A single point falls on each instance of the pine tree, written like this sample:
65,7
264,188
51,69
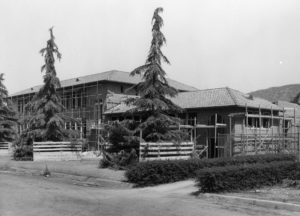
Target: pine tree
154,102
8,119
46,121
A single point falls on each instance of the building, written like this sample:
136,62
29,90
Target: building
224,121
221,121
85,98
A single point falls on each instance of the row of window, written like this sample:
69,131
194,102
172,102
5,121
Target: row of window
256,123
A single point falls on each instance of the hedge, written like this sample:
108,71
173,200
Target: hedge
165,171
243,177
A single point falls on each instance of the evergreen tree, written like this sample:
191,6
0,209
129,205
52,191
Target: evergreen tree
46,120
7,115
154,102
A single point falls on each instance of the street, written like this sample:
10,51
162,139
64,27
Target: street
37,195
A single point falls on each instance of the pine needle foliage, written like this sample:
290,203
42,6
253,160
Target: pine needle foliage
46,120
8,119
154,102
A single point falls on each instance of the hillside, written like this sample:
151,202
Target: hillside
284,93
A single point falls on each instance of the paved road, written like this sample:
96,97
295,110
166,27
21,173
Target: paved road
38,196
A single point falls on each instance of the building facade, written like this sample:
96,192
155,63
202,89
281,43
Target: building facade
221,121
84,98
226,122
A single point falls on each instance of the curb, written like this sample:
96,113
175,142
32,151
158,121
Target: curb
257,202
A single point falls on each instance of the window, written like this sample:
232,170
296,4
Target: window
220,119
68,97
78,100
254,122
266,123
122,89
191,118
68,125
20,107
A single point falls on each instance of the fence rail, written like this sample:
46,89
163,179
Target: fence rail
56,151
243,144
5,149
165,151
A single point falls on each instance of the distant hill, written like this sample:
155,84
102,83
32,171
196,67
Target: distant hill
284,93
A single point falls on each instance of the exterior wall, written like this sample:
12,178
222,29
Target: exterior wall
86,103
205,137
239,127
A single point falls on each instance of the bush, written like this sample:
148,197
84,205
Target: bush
159,172
23,149
243,177
119,160
123,137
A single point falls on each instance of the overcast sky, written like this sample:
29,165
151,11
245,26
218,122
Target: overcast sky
244,44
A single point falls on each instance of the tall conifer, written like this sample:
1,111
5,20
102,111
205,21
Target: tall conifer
7,115
46,121
154,102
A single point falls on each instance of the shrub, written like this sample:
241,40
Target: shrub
243,177
159,172
123,137
119,160
23,149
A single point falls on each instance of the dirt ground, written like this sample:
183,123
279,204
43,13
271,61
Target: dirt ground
87,168
36,195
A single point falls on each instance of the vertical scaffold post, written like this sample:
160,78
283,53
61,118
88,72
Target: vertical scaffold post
260,125
230,138
283,128
215,140
195,132
246,128
272,123
97,113
294,127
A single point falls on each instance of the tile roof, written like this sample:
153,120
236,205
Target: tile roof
218,97
290,108
113,76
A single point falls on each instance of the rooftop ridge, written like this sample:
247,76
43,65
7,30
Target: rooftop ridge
112,75
229,90
209,89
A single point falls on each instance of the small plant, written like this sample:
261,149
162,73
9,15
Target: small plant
46,172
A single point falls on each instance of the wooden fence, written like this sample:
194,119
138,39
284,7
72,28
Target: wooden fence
165,151
244,144
56,151
5,149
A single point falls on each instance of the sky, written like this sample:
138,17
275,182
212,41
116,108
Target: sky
243,44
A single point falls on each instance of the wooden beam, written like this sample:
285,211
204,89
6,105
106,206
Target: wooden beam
230,138
215,140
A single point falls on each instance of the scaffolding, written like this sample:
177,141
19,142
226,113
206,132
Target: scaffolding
84,103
